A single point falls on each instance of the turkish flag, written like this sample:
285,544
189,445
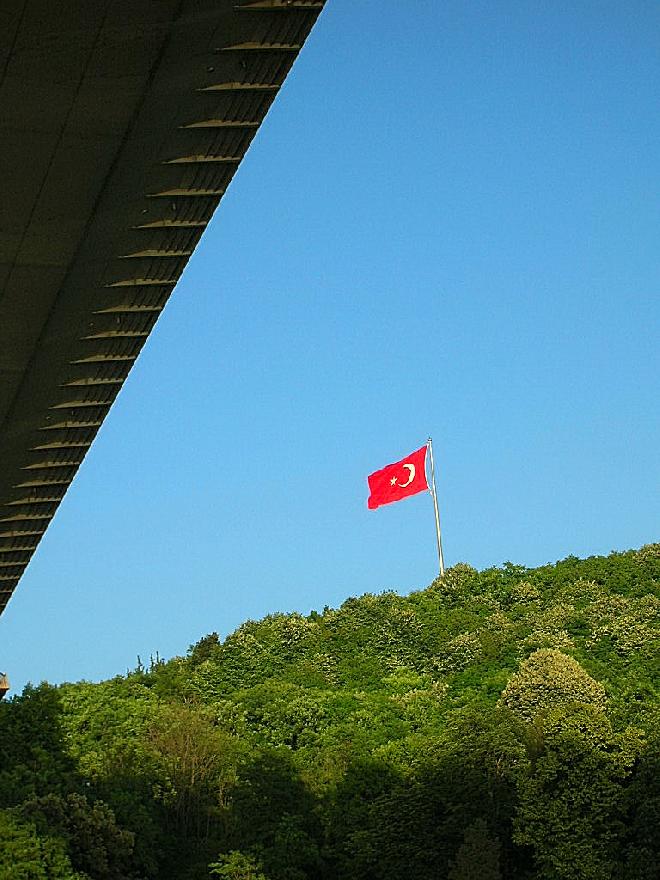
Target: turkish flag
399,480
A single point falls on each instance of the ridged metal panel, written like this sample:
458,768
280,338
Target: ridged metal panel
121,127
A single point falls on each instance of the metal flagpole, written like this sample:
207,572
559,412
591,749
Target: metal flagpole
434,493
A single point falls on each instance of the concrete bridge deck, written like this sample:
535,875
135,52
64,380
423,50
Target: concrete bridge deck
122,123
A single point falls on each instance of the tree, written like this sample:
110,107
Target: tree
642,857
548,678
572,802
198,762
24,855
478,857
274,813
237,866
95,844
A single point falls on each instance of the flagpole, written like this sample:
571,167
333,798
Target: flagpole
434,493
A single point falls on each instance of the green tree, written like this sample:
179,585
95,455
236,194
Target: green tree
394,737
478,857
24,855
572,802
548,678
642,850
197,761
95,844
35,759
237,866
274,812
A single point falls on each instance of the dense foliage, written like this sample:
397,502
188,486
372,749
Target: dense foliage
499,724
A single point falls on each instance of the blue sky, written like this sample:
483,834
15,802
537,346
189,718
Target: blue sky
447,225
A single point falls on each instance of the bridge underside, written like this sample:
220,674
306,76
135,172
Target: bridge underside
122,123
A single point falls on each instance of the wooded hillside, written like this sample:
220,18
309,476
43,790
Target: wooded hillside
498,724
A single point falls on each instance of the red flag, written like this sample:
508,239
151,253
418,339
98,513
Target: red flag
399,480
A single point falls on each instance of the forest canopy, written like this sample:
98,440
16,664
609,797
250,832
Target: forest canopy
499,725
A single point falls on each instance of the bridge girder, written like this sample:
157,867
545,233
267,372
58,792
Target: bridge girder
122,123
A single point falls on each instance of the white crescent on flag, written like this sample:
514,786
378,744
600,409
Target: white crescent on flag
411,475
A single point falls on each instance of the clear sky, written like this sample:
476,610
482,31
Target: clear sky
448,225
